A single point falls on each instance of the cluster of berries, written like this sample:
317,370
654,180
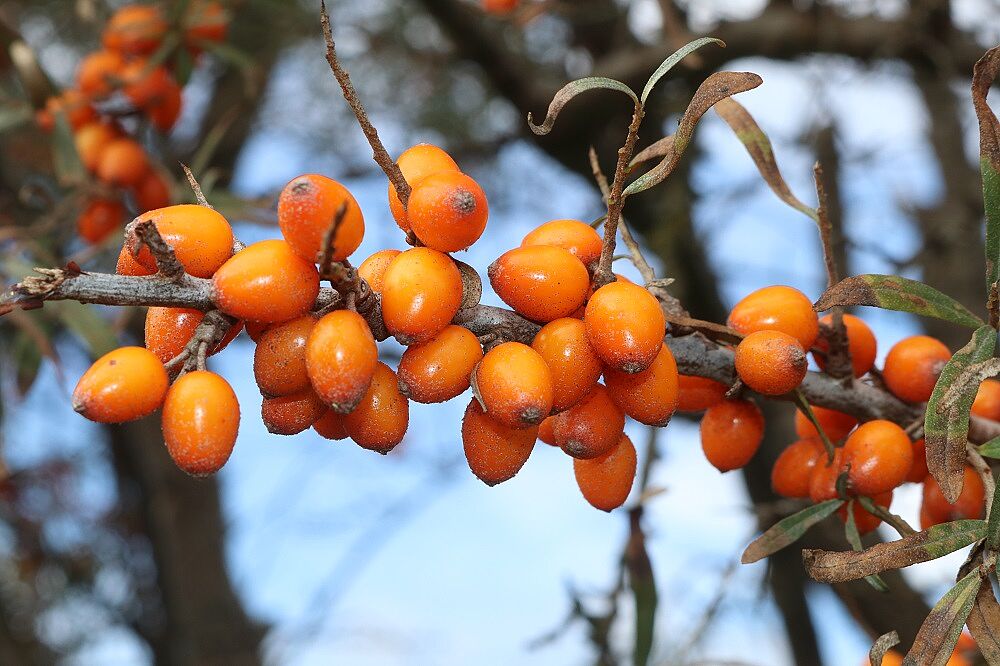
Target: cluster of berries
131,75
500,6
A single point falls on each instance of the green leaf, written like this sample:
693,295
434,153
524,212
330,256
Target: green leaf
882,644
891,292
675,58
571,90
804,407
939,633
14,115
789,530
946,423
990,449
86,324
993,527
854,538
66,161
983,76
643,585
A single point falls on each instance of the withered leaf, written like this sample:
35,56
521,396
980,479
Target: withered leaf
939,633
788,530
571,90
891,292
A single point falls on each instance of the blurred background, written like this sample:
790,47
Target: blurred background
304,551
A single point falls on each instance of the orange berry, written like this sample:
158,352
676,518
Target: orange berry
793,469
266,282
379,421
417,163
574,366
836,425
100,219
864,521
590,428
279,362
500,6
72,104
341,358
308,206
495,453
439,369
918,471
913,366
99,73
777,308
515,385
607,480
123,385
970,504
91,140
823,480
447,211
165,111
861,344
771,362
649,396
695,394
123,163
331,426
421,293
731,433
127,264
168,330
540,282
255,329
201,418
205,22
987,403
579,238
545,431
891,658
880,456
146,85
135,30
291,414
152,192
372,269
625,326
201,238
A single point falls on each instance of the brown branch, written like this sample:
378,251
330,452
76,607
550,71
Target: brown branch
147,234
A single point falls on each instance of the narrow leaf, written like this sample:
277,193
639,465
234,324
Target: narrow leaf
788,530
946,427
803,406
993,524
891,292
837,567
990,449
983,75
882,644
984,623
939,633
675,58
66,161
88,326
571,90
854,538
653,151
643,585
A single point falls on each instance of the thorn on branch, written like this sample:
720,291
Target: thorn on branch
199,196
147,234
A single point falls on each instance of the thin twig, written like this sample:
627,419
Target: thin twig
329,237
199,196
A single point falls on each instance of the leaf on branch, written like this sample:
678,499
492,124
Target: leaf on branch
984,623
715,88
882,644
788,530
571,90
854,538
837,567
803,406
891,292
66,160
675,58
990,449
653,151
983,75
939,633
643,586
946,426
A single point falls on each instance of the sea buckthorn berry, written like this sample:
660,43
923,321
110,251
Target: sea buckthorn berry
575,368
515,385
279,362
168,330
731,433
540,282
913,366
135,30
331,426
146,85
255,329
793,469
291,414
72,104
823,481
625,326
864,521
607,480
861,344
100,219
500,6
970,504
202,240
777,308
201,418
421,293
308,206
266,282
127,264
590,428
372,269
205,22
987,403
165,111
918,471
379,421
771,362
151,192
649,396
836,425
123,163
439,369
880,456
99,73
695,394
495,453
447,211
123,385
579,238
91,140
341,358
545,431
417,163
